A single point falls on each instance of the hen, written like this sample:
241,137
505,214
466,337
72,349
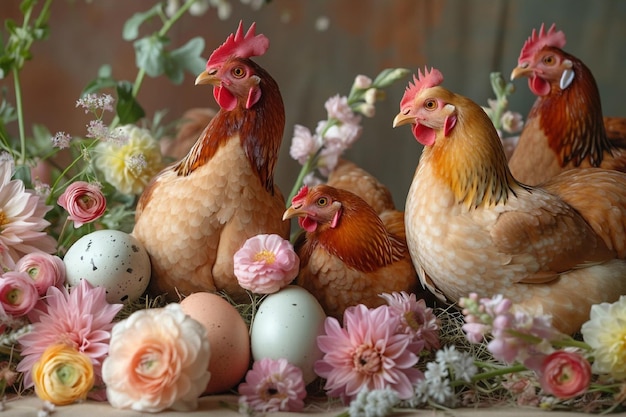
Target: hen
349,254
565,128
472,227
198,212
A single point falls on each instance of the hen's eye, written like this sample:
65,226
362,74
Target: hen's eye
430,104
238,72
549,60
322,201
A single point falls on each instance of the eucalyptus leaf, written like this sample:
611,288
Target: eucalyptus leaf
128,109
131,27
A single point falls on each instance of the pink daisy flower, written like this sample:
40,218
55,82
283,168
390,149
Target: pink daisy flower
81,318
415,318
368,353
273,385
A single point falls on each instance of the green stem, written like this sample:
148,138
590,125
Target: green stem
20,115
496,372
141,74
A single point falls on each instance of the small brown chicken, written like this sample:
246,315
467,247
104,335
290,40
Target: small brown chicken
472,227
565,128
348,253
198,212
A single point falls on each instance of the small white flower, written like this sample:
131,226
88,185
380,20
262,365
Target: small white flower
375,403
435,370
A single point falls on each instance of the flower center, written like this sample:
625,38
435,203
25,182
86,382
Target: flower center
67,375
86,202
148,363
14,296
366,359
3,218
411,320
266,256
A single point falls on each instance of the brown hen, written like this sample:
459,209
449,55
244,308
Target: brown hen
565,128
472,227
198,212
349,254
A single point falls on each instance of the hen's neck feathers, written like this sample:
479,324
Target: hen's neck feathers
360,239
571,119
260,130
471,159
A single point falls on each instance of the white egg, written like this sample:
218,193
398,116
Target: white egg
286,325
111,259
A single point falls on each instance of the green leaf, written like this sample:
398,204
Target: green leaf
102,81
131,27
127,108
187,57
149,55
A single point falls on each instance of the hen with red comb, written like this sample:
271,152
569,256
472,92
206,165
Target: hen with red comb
199,211
565,128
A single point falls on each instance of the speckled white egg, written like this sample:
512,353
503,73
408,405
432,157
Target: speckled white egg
111,259
286,325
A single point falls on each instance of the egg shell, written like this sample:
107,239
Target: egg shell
286,325
111,259
228,336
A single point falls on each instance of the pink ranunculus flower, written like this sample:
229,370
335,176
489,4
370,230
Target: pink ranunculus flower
158,359
18,295
273,385
83,201
367,353
44,269
266,263
565,374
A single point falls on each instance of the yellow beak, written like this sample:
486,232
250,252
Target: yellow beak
207,78
403,119
292,212
521,71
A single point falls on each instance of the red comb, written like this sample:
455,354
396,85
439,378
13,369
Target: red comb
537,41
304,190
429,79
239,45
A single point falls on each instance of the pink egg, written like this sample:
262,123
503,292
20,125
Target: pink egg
228,335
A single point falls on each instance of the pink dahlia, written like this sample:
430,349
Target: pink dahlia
415,318
367,353
273,385
22,222
81,318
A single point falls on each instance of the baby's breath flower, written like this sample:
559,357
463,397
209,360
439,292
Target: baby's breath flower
93,102
61,140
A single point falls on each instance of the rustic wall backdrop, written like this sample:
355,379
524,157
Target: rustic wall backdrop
465,39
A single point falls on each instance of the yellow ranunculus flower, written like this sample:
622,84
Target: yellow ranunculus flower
63,375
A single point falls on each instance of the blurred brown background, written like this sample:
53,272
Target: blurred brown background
465,39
